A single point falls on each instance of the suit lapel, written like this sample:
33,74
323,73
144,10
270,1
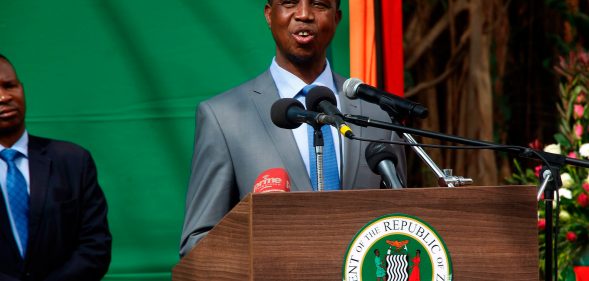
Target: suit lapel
39,166
264,94
352,148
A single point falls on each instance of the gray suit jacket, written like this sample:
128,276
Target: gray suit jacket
236,140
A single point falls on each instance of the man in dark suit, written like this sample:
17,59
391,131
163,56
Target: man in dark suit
236,140
53,223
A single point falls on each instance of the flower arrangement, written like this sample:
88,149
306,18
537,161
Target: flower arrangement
572,140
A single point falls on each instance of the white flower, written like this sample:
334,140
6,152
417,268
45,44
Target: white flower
562,192
552,148
567,180
584,150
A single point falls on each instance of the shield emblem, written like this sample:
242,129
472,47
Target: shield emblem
397,267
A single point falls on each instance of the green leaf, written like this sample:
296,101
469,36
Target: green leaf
562,140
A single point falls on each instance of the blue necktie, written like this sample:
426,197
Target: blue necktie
330,170
18,197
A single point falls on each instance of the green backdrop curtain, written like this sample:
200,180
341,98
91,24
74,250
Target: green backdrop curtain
123,78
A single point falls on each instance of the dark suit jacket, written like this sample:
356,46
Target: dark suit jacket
69,237
236,141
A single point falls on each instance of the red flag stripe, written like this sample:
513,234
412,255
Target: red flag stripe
392,28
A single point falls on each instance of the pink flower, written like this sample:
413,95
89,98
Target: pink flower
583,200
541,224
581,98
571,236
572,154
578,128
537,170
586,186
579,110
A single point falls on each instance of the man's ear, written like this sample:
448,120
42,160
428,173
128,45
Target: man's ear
338,16
267,13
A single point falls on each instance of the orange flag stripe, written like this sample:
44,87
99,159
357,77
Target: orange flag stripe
362,41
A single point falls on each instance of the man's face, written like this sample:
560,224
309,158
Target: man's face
12,100
302,29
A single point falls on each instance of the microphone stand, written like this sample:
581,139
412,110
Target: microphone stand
549,184
445,178
318,144
552,163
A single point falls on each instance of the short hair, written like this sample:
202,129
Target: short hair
3,57
337,2
6,59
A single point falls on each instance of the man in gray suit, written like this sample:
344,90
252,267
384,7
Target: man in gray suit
236,140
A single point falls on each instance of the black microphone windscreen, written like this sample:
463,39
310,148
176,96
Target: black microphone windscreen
279,113
376,152
318,94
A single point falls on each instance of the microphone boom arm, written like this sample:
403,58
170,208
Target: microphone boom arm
548,158
557,159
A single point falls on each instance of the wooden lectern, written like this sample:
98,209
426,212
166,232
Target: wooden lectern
490,233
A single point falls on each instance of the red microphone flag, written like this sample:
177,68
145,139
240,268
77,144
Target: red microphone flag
272,180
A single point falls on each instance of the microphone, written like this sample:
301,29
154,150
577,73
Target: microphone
289,113
382,160
354,88
322,99
272,180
